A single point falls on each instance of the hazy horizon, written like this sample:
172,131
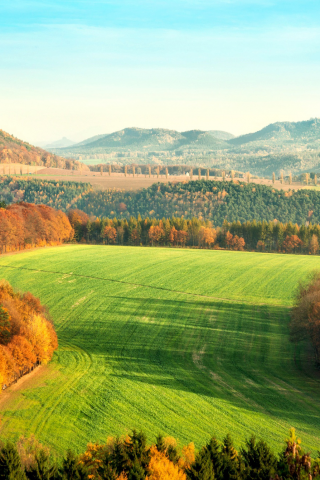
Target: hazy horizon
76,69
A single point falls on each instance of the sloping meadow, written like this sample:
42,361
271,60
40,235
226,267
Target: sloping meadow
187,343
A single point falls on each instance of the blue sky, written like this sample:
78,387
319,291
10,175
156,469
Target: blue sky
78,68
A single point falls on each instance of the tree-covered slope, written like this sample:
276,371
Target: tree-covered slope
13,150
283,132
146,139
209,200
60,195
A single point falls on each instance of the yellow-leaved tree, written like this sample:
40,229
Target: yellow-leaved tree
161,468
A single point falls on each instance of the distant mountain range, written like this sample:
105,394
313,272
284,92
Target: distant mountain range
62,143
289,146
143,139
285,132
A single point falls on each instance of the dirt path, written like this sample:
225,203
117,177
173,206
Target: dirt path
27,381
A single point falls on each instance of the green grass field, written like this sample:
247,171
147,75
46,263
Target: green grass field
183,342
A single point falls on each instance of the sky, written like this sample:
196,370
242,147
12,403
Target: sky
81,68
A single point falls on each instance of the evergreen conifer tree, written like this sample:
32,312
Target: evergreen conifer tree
71,470
10,463
258,459
202,468
42,469
137,472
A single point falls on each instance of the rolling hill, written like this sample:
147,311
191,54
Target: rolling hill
13,150
62,143
288,146
210,200
187,343
146,139
221,135
283,132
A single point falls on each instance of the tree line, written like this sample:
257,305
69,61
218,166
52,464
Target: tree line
155,170
27,336
131,458
210,200
305,316
25,225
180,232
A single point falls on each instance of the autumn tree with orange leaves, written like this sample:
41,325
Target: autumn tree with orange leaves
291,243
305,316
207,236
110,234
27,337
24,225
155,233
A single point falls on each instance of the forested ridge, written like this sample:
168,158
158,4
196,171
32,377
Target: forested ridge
210,200
27,337
13,150
205,199
61,195
131,458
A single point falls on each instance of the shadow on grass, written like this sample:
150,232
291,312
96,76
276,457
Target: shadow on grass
237,353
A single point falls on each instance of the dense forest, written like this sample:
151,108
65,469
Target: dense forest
25,225
61,195
131,458
27,337
210,200
205,199
178,231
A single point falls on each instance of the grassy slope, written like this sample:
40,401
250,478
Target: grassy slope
184,364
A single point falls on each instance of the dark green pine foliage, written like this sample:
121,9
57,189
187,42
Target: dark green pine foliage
202,468
259,461
161,447
43,469
213,448
172,454
119,458
10,463
231,463
137,472
106,472
5,326
70,469
131,457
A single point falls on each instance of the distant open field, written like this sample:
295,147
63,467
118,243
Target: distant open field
118,180
184,342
